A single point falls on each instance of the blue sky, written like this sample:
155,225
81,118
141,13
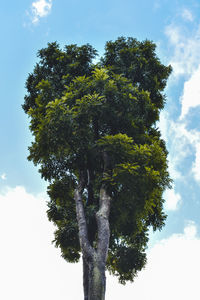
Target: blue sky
31,268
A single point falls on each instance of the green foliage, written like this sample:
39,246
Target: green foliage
62,212
138,62
78,112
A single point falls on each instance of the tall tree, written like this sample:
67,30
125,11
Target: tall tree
96,142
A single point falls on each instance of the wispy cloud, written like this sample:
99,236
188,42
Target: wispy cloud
196,164
186,49
187,15
40,9
172,199
166,129
156,5
191,93
174,135
3,176
181,143
190,230
184,143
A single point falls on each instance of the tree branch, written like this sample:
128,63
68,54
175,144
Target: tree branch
82,225
102,217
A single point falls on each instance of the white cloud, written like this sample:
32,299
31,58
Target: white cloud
171,272
172,199
34,269
177,144
30,264
3,176
186,49
166,129
191,93
187,15
190,230
40,9
196,164
185,143
181,143
185,60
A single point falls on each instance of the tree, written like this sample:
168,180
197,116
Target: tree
96,142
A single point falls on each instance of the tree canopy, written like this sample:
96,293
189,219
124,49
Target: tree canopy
96,123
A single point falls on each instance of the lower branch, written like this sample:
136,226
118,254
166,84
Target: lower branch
102,217
82,225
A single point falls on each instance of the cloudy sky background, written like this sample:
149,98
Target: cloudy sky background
31,268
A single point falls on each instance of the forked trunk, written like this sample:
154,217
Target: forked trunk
94,259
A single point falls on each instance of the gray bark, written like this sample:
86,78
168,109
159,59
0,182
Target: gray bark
94,260
97,279
86,248
85,278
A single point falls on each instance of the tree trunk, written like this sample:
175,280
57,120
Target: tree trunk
94,262
85,278
97,280
94,259
94,280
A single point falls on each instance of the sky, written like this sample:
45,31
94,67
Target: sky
31,267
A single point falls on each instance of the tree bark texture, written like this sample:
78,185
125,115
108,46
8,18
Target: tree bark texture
85,278
97,279
94,260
